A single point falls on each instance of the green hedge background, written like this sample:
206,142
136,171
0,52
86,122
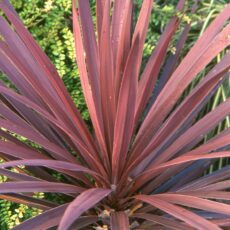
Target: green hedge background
50,23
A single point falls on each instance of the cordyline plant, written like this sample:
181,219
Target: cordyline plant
138,169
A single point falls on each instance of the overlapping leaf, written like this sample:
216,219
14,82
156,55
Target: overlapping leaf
162,158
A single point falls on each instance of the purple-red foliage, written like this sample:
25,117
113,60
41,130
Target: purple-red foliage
133,171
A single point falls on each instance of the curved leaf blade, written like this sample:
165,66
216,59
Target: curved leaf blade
38,186
188,217
82,203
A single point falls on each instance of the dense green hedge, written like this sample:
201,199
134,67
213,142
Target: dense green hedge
50,23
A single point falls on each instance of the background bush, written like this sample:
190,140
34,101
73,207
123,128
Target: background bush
50,23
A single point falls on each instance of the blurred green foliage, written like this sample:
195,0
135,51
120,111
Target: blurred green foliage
50,23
